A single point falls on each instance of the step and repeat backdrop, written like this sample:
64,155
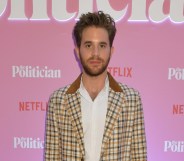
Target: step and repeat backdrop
37,57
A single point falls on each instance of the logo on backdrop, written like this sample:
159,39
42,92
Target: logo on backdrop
32,106
176,74
27,143
120,71
35,72
138,10
174,146
178,109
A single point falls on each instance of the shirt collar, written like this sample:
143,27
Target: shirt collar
76,85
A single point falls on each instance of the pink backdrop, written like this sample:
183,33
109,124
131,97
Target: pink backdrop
37,57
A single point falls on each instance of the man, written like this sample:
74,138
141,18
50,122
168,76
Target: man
95,118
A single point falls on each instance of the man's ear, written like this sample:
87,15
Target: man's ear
112,50
77,52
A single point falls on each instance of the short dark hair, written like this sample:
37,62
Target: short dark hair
97,19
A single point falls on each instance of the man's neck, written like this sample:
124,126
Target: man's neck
94,84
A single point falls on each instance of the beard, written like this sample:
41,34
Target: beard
90,70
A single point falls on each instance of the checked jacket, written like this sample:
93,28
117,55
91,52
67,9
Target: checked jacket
124,135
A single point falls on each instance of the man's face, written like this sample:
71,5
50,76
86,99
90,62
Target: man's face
95,51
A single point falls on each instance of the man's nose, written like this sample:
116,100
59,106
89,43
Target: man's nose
95,51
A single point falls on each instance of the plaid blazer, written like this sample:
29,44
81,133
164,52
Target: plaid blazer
124,134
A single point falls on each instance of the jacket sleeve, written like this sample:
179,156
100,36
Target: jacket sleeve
52,137
138,146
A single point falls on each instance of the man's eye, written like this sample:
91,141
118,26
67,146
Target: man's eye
102,46
88,45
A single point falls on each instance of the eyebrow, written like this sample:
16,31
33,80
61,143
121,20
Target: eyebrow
102,42
87,42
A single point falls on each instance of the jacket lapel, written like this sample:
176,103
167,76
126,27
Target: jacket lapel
115,102
74,111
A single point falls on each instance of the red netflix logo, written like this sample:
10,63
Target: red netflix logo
121,72
178,109
32,106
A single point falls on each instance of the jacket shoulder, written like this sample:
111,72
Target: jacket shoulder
129,92
58,95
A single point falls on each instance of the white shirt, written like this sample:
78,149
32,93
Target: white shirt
93,120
